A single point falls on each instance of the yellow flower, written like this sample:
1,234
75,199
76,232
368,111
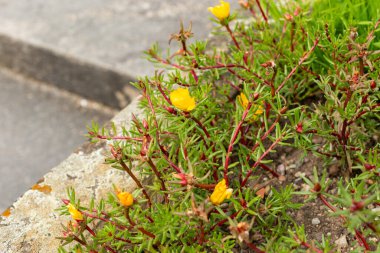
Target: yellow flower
243,100
75,214
221,11
181,99
220,193
125,198
257,109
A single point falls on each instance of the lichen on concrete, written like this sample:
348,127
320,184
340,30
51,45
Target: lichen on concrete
33,224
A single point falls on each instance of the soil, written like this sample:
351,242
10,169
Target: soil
317,219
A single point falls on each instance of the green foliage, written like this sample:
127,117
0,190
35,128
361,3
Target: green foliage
306,78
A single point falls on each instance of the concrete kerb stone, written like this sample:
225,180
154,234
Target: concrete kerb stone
33,223
90,81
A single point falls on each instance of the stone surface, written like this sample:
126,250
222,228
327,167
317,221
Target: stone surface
39,127
75,44
315,221
33,222
341,242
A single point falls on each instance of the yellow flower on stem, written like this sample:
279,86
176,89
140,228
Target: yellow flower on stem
125,198
257,109
220,193
221,11
75,214
182,100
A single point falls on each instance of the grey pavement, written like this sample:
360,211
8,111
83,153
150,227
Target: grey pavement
111,33
39,127
61,41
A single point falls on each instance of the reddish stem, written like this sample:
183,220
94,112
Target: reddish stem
104,219
220,223
187,115
204,186
232,36
262,11
110,249
158,175
253,247
233,139
133,224
104,137
259,160
90,231
362,113
163,94
137,181
266,134
305,244
79,240
304,58
359,236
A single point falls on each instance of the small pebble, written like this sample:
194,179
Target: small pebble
281,169
315,221
334,170
341,242
306,188
83,103
299,174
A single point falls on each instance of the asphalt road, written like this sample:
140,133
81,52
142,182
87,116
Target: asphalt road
39,127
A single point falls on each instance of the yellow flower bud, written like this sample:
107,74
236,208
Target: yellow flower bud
75,214
125,198
257,109
182,100
221,11
220,193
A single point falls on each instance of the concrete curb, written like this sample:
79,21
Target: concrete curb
33,224
63,71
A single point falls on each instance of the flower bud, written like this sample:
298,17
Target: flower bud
145,124
317,187
75,214
125,199
373,84
299,128
368,166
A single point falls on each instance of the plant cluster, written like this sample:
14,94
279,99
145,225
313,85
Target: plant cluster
295,75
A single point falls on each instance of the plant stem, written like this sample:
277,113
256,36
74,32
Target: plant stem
137,181
205,186
359,236
232,36
110,249
303,58
262,11
233,139
259,160
104,137
158,175
90,231
305,244
188,115
104,219
79,240
253,247
133,224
